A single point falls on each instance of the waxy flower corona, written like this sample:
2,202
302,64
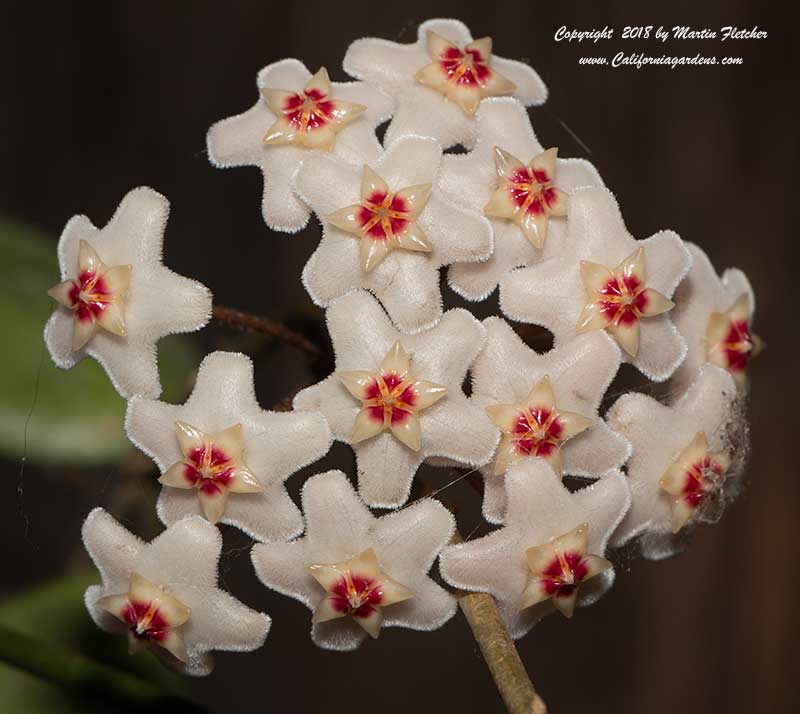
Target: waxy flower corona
384,220
558,569
618,299
463,76
535,427
96,296
154,616
694,478
730,343
213,465
391,398
526,195
359,589
311,117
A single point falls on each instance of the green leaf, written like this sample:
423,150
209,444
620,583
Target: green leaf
48,414
54,612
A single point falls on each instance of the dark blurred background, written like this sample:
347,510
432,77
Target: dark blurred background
101,97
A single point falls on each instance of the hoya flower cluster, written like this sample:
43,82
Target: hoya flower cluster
510,212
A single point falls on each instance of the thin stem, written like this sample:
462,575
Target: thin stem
264,325
499,652
90,679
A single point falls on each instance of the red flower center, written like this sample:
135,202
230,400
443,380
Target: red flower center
383,215
532,190
623,299
145,621
89,295
564,574
537,432
390,399
738,346
468,67
208,468
701,478
356,595
306,111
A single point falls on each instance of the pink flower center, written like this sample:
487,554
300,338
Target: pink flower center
145,621
390,399
702,477
355,595
306,111
89,295
537,432
383,215
532,190
623,299
738,346
564,574
468,67
208,468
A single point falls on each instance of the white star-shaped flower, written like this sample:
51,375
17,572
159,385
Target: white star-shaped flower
438,81
117,298
606,280
356,572
295,116
164,593
540,512
365,245
663,500
453,427
715,314
528,235
223,456
546,406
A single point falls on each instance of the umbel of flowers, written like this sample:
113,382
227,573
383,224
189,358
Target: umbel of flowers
510,212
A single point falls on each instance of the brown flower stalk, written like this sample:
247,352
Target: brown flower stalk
499,652
264,325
